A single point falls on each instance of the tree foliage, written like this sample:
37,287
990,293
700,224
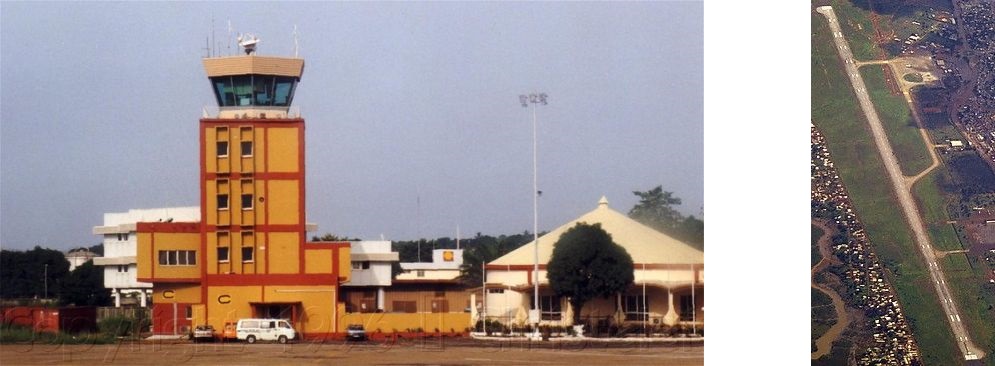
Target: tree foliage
84,286
587,263
656,210
22,274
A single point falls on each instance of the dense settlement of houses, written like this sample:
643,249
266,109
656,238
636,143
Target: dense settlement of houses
863,284
243,252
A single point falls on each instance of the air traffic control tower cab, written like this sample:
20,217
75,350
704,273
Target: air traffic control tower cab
252,86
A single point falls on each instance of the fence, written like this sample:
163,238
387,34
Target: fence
128,312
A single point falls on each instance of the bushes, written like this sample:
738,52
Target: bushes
121,326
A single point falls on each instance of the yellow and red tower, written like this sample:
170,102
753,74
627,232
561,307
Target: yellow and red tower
248,256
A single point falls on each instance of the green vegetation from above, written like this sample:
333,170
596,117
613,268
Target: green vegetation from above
914,77
903,133
823,313
836,113
817,233
963,275
932,204
858,30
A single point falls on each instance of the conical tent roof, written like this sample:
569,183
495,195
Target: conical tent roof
644,244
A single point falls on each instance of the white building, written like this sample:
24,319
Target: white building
444,266
668,288
120,246
371,267
77,257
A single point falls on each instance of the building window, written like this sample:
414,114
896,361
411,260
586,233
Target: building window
222,149
246,148
222,254
361,265
189,312
247,201
550,307
247,254
222,201
122,237
177,258
495,290
634,307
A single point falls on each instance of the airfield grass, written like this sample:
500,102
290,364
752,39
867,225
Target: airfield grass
903,133
817,233
836,113
932,204
972,300
858,29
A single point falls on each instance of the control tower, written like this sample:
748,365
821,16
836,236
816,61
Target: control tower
248,257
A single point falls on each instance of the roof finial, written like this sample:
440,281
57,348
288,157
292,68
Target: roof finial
603,202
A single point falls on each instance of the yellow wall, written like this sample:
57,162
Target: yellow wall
391,322
283,202
237,308
317,302
285,255
171,241
318,260
180,292
143,253
282,149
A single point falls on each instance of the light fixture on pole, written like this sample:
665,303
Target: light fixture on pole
534,99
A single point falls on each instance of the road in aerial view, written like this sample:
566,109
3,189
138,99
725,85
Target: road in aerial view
903,191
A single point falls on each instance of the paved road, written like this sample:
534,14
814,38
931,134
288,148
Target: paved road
453,352
967,347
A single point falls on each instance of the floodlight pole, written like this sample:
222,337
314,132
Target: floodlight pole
534,99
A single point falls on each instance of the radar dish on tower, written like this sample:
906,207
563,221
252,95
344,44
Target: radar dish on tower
248,42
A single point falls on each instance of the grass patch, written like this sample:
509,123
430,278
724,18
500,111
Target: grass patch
858,30
13,334
835,112
817,233
913,77
965,281
903,133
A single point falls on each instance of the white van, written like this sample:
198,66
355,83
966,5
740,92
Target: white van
252,330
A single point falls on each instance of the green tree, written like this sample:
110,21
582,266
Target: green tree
84,286
656,210
22,274
587,263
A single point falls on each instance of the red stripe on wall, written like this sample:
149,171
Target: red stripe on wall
272,279
301,199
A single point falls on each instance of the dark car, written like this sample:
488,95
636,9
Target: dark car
355,332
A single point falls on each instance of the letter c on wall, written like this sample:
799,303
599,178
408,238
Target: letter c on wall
168,294
224,299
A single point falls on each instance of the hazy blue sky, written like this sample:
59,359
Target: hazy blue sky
412,113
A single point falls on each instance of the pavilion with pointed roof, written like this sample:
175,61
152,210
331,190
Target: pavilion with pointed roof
668,287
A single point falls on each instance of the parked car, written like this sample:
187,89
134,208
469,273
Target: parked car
203,333
355,332
252,330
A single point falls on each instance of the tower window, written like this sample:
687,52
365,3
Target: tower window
246,148
247,254
222,201
247,201
222,149
222,254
